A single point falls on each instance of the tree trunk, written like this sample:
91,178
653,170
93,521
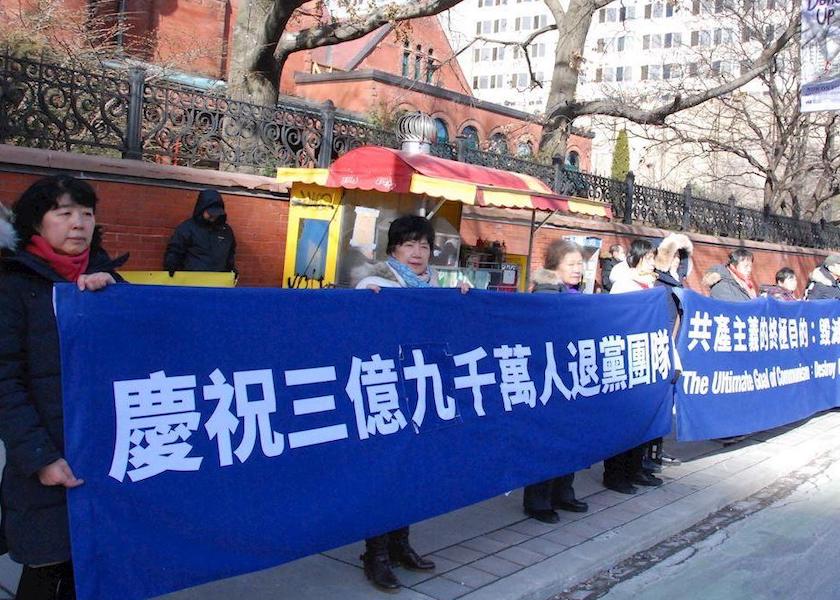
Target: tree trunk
254,72
572,27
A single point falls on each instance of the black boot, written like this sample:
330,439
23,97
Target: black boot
401,552
377,566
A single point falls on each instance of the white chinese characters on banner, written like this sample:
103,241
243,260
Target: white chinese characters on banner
157,418
759,334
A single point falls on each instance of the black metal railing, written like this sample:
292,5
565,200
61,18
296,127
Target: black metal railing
124,113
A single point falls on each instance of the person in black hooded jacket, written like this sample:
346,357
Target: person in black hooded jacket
204,242
56,241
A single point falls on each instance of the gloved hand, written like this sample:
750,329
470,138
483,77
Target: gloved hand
172,273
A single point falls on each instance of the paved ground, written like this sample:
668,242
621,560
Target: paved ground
490,550
785,550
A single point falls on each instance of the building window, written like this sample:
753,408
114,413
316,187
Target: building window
442,131
619,73
599,75
573,160
619,45
644,74
666,71
647,11
602,15
692,69
418,61
498,143
406,55
430,66
669,10
601,46
657,10
524,149
470,135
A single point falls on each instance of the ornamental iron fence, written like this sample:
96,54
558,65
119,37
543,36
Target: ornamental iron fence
126,113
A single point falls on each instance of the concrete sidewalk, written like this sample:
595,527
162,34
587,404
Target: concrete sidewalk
491,551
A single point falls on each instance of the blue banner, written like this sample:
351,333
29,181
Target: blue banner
751,366
224,431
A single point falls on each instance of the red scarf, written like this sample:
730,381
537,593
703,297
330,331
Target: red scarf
745,282
69,267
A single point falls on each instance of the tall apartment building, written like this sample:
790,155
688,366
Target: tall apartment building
644,51
496,72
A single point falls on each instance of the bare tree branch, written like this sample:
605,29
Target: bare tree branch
656,116
350,29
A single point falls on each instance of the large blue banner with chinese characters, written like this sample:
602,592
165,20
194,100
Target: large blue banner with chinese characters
751,366
225,431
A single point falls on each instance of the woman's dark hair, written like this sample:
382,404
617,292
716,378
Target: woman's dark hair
784,274
42,196
638,250
738,255
556,251
409,228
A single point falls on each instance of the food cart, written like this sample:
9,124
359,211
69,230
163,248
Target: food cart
339,216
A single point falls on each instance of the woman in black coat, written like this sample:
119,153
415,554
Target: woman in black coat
55,227
562,272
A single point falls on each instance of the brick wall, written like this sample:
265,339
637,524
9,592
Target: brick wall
140,218
708,251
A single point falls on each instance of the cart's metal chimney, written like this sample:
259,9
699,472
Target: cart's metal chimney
416,132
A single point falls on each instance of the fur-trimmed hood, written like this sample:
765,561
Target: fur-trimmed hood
668,249
372,269
8,236
821,275
545,277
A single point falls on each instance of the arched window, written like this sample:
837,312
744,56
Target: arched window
573,160
430,66
418,61
471,135
498,143
405,58
442,131
524,149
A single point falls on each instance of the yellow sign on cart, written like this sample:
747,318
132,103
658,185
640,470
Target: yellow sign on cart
185,278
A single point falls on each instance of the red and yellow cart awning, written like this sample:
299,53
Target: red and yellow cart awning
389,170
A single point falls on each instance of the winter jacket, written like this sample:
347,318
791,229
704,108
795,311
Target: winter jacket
382,275
724,285
31,414
607,265
777,292
546,281
669,248
667,280
198,244
823,285
630,280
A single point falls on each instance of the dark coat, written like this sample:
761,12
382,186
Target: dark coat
31,413
666,280
777,292
198,244
724,286
823,285
607,265
550,493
